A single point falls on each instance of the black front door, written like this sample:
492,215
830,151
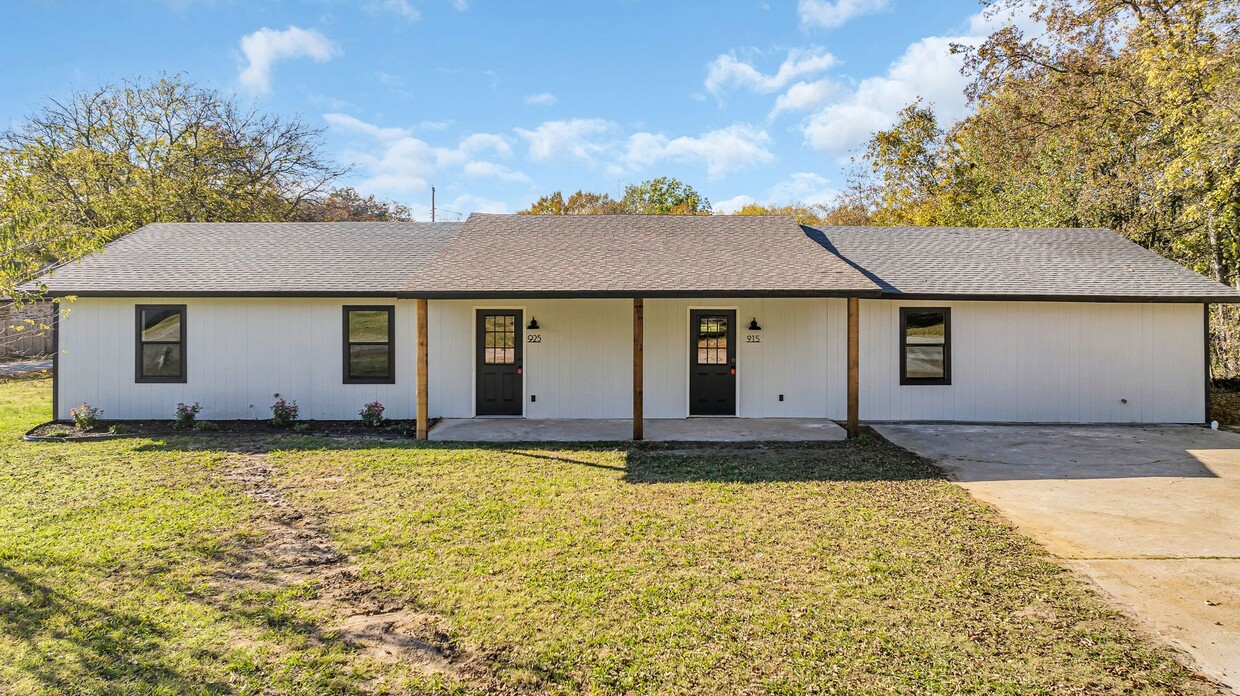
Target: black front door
499,362
712,362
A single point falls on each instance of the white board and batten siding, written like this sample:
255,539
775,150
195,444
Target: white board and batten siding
239,351
1052,362
1043,362
582,364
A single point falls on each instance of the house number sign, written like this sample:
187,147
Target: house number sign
753,338
533,338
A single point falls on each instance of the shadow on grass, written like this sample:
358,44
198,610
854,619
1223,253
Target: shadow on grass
869,458
75,640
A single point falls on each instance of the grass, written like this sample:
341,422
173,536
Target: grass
849,567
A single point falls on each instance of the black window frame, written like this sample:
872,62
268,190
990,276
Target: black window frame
141,378
391,344
946,379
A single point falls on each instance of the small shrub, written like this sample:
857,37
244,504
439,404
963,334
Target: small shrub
117,429
206,427
57,433
283,413
301,428
85,417
372,414
186,415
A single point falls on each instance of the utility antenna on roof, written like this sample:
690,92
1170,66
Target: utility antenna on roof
432,203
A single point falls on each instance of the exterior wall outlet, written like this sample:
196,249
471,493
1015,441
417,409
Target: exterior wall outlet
781,397
533,398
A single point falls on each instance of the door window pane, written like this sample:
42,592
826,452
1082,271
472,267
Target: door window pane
712,340
500,339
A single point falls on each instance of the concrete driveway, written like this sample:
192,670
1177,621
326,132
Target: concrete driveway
1150,514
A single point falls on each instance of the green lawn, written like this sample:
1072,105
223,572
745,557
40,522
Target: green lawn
848,567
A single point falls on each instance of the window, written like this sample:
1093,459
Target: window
500,339
369,345
925,345
712,340
160,343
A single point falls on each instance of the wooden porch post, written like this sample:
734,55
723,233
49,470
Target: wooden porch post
423,391
638,347
854,364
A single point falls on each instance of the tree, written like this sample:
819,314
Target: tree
579,203
664,196
347,205
112,159
812,215
661,196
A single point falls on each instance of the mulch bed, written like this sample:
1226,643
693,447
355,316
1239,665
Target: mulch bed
108,429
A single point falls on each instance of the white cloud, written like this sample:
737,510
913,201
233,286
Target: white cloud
467,204
728,70
266,47
542,99
805,95
727,149
829,14
492,170
803,187
576,138
397,162
731,205
399,7
460,5
927,69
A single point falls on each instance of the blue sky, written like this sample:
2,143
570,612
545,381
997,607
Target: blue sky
496,103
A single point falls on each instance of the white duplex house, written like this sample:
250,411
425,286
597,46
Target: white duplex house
635,317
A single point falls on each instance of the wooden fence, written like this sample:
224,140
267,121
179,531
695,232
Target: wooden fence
31,340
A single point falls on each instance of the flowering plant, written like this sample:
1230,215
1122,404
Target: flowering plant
283,413
186,415
372,414
85,417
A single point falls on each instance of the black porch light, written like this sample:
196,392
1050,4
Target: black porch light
533,325
753,325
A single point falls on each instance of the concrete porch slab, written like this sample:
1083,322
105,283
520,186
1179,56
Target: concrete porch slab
657,430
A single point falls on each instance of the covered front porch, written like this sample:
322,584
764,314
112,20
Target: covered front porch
609,369
656,430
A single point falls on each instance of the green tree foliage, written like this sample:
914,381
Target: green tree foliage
812,215
664,196
579,203
85,170
661,196
347,205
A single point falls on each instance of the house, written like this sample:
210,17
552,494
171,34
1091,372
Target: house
635,317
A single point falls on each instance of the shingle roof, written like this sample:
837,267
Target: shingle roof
314,258
624,255
1092,264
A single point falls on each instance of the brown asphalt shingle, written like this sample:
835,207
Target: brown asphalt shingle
318,258
991,263
624,255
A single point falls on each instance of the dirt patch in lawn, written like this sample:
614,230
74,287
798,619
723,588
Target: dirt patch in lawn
294,550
